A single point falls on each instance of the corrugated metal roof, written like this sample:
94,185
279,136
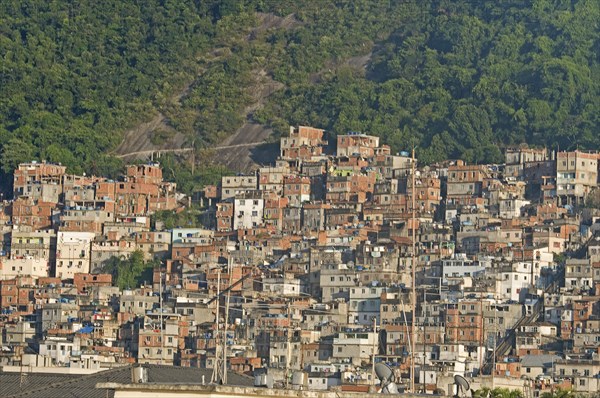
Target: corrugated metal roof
45,385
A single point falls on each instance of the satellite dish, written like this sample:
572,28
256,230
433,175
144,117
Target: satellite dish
386,378
462,386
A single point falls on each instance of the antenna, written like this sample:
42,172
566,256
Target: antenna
462,386
414,292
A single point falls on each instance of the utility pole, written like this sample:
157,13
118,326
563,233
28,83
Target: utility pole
494,351
375,340
217,377
482,331
288,347
414,282
160,306
424,337
229,271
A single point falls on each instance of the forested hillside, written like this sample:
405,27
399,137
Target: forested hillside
455,78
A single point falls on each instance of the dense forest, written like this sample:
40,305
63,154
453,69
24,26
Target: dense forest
455,78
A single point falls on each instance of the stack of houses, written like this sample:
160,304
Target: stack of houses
315,267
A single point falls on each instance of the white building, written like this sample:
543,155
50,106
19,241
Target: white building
24,266
73,253
358,345
511,207
287,287
248,211
516,280
459,267
364,304
60,349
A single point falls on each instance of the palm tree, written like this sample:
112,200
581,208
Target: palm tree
483,392
486,392
559,393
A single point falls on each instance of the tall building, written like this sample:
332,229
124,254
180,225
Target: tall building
576,176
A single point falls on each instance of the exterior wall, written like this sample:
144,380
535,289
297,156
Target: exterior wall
235,185
583,372
517,158
465,183
302,144
27,266
85,220
73,253
42,181
103,250
248,212
357,144
286,287
576,175
35,244
364,304
60,350
137,304
84,281
296,190
145,173
358,346
271,179
33,213
224,216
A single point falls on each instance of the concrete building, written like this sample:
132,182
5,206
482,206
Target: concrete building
296,190
73,251
248,210
576,176
232,186
357,144
583,372
359,346
40,181
33,244
24,266
517,158
303,143
364,304
460,266
465,184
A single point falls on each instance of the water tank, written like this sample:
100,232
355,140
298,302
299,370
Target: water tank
263,380
140,374
299,379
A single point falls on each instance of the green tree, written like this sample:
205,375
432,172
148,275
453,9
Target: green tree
559,393
130,272
15,151
486,392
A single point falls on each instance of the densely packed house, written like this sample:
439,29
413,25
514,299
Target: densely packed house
312,268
